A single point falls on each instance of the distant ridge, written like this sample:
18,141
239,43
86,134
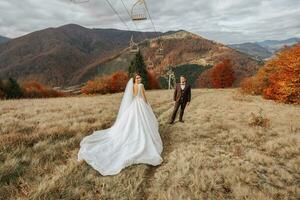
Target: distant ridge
264,49
3,39
275,45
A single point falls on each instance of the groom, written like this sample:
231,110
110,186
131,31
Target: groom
182,97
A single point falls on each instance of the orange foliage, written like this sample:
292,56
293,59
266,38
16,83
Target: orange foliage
279,79
284,83
222,75
34,89
98,85
152,81
256,84
250,85
114,83
118,81
204,79
106,84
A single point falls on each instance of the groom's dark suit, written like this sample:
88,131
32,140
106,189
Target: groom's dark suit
181,98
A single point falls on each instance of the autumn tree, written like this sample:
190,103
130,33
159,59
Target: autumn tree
100,85
222,75
113,83
118,81
33,89
256,84
279,79
284,83
204,79
153,81
138,65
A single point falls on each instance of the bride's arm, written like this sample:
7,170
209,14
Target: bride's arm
143,93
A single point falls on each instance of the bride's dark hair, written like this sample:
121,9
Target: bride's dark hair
135,75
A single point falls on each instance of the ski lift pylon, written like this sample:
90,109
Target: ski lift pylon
138,11
134,48
170,76
160,52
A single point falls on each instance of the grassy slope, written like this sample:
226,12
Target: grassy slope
215,154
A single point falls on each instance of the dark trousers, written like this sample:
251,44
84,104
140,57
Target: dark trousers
178,104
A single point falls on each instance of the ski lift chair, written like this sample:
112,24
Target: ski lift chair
160,52
138,11
134,48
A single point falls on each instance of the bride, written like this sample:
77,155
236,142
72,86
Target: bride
133,138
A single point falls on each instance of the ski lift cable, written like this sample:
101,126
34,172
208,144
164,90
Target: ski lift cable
129,14
146,6
137,28
133,45
116,12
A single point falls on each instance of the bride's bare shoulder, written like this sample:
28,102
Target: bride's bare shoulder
141,85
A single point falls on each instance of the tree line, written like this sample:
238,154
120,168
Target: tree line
11,89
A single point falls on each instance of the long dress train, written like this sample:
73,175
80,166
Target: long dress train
133,139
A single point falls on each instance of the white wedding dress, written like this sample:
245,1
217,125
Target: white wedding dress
133,139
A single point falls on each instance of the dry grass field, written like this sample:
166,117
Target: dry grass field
230,147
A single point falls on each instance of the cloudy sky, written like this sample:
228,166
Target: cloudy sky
227,21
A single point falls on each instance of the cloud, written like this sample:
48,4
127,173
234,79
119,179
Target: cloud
227,21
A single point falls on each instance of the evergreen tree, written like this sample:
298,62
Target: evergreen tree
12,89
2,93
1,85
138,65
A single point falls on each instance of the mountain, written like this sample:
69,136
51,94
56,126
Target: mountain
289,41
3,39
265,49
55,55
181,48
275,45
72,54
253,49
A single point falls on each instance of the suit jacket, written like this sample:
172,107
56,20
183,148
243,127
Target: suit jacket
186,93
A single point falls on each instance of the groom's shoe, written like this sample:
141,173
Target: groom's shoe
181,121
171,122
